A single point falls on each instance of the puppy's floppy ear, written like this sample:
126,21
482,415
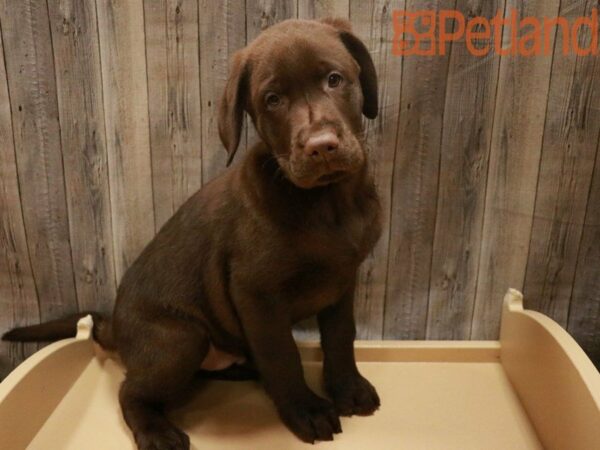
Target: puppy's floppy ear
233,103
368,75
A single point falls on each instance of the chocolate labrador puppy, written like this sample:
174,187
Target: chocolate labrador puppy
273,240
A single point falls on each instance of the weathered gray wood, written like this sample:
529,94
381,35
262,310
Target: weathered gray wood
513,172
570,135
222,32
467,129
121,32
80,104
584,311
317,9
261,14
415,187
18,297
372,22
32,88
174,102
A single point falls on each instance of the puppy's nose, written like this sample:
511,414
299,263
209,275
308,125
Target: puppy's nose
322,144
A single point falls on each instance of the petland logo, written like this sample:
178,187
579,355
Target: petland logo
427,33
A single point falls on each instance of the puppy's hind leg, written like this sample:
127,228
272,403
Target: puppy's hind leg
159,372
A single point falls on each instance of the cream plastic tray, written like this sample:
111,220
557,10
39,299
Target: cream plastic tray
535,388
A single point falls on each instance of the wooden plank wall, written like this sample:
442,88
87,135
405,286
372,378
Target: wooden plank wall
488,168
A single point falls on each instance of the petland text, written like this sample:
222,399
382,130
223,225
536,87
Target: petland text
427,32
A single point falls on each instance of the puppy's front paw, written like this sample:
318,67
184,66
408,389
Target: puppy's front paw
162,439
311,418
353,394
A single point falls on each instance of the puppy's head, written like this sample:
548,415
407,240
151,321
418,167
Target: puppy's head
306,85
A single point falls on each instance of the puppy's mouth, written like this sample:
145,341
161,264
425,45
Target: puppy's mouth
332,177
308,174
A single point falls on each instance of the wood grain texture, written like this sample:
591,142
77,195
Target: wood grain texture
121,32
222,28
18,297
372,23
36,131
317,9
570,135
466,137
261,14
174,103
584,311
415,187
81,111
513,172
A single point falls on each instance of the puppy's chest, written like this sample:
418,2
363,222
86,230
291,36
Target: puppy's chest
327,261
314,285
343,238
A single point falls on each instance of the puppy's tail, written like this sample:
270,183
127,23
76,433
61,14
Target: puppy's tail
63,328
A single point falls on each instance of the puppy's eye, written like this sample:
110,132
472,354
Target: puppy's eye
334,79
272,100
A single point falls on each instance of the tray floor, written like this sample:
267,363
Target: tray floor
424,406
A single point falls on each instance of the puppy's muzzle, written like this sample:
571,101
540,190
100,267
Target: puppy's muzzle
322,157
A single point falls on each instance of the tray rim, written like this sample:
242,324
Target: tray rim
380,350
517,352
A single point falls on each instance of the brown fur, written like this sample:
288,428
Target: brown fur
275,239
